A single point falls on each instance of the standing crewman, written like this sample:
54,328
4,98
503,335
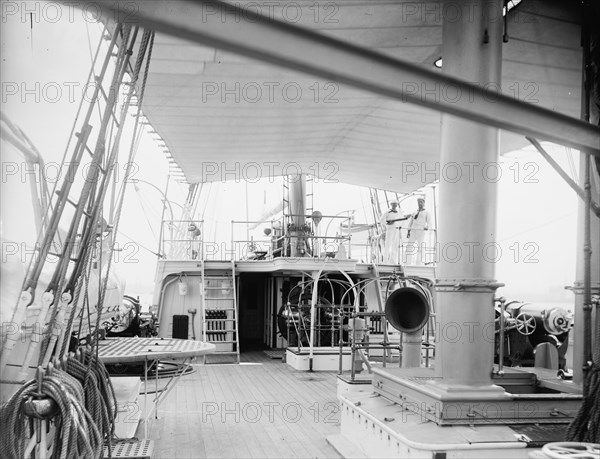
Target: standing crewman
390,221
419,223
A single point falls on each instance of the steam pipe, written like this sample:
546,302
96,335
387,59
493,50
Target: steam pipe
407,310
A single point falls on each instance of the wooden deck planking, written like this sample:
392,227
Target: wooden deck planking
221,444
269,434
289,444
242,429
187,429
318,413
292,440
249,426
302,398
251,392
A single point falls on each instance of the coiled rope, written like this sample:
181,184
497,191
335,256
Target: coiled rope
75,435
100,398
87,408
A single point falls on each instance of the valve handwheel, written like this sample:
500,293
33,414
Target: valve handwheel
525,323
568,450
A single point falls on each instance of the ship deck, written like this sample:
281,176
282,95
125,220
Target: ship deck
260,408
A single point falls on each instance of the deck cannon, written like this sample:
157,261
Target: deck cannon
531,327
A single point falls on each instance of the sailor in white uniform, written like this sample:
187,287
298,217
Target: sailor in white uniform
419,223
390,221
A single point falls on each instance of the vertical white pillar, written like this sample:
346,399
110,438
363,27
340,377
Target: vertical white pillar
472,51
577,332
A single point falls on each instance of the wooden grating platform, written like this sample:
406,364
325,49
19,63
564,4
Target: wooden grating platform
131,449
122,350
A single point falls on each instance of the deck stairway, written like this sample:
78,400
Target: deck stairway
220,313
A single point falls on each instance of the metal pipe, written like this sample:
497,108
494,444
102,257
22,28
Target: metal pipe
501,350
316,275
587,279
588,268
587,187
411,349
353,348
466,286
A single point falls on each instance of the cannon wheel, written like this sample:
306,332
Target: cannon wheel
568,450
525,323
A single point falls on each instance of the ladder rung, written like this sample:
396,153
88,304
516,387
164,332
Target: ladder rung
91,153
74,204
112,113
58,255
221,314
69,200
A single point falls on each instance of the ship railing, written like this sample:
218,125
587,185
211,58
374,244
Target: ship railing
424,252
256,240
407,252
182,240
287,237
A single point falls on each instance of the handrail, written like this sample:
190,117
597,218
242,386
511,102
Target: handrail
178,242
185,241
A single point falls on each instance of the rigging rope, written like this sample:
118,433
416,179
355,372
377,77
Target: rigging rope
146,213
100,396
153,252
104,283
80,285
54,213
58,285
586,425
84,395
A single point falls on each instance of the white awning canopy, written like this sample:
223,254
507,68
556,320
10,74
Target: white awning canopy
227,116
